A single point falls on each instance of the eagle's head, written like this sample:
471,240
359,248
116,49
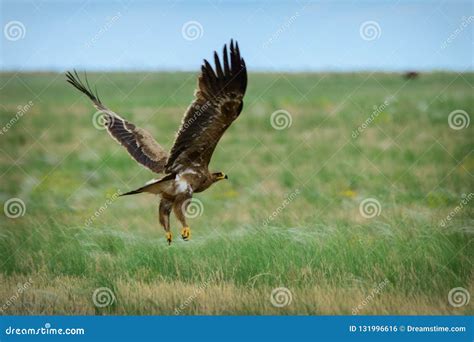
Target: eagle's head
217,176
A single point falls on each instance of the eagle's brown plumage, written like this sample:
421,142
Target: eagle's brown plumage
218,102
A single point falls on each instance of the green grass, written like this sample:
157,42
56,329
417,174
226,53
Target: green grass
317,244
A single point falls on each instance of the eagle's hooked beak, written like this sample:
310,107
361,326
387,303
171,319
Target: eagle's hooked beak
222,176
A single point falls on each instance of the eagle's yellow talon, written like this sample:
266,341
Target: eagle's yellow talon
169,237
186,233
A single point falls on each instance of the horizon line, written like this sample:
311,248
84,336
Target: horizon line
256,71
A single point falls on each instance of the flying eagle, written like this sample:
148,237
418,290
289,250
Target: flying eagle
218,102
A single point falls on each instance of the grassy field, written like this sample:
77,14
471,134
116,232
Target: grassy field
292,215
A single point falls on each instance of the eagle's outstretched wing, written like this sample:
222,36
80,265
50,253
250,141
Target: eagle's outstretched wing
217,104
138,142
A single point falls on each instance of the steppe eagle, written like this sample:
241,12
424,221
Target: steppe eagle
218,102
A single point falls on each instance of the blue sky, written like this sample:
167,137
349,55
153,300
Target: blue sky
273,35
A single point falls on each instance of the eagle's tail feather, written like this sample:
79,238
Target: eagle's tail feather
133,192
153,187
147,188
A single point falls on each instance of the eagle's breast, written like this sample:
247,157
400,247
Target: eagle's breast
187,181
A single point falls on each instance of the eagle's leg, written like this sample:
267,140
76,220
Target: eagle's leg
164,216
179,208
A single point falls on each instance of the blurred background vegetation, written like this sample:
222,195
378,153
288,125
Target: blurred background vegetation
318,245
